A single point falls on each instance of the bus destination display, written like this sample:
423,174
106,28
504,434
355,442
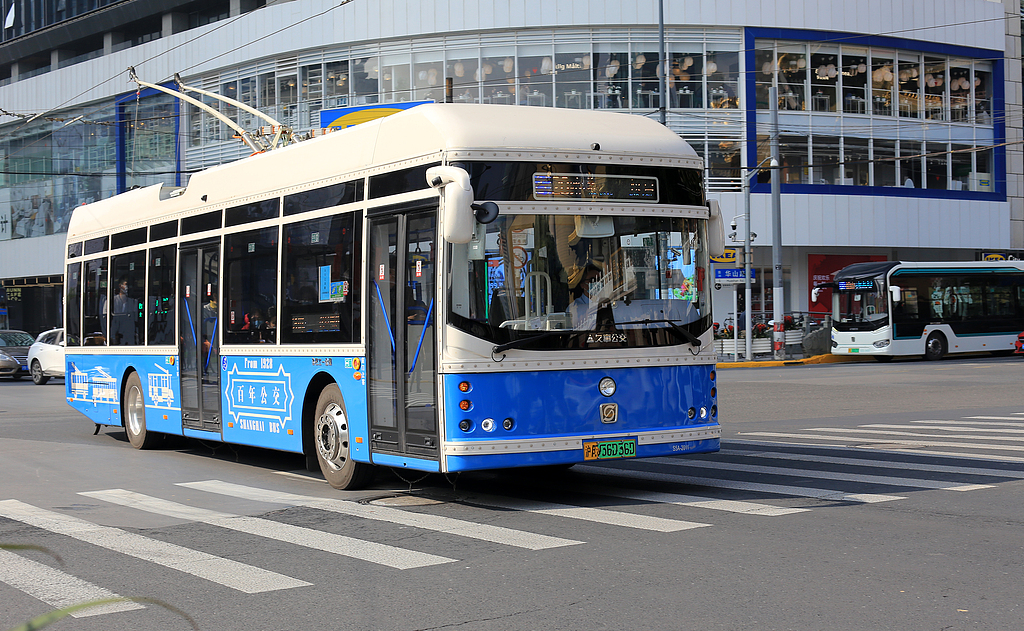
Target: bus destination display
585,186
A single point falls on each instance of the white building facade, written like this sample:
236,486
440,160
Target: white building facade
899,122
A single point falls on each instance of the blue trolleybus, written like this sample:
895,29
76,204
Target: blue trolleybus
451,288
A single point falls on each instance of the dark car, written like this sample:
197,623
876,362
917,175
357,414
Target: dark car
1019,344
14,353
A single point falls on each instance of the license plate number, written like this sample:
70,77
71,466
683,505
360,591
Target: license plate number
608,449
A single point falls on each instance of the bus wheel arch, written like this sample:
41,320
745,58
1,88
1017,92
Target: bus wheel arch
133,413
935,346
329,440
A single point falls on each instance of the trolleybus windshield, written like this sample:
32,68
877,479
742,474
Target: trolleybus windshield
582,281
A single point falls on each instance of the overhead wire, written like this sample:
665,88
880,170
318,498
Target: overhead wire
516,78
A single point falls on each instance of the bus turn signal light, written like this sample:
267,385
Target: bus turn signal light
465,386
465,405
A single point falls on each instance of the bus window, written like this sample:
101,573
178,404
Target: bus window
73,309
250,273
94,312
161,295
321,277
126,292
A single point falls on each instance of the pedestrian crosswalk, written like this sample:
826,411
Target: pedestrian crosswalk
987,437
662,498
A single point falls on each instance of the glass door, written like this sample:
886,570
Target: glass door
198,339
402,374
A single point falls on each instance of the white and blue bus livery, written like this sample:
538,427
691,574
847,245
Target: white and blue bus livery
451,288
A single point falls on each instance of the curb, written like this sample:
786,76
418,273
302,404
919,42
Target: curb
817,359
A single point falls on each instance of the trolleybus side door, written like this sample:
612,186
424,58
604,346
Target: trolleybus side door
402,371
198,335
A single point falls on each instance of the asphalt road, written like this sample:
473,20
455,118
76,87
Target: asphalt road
847,496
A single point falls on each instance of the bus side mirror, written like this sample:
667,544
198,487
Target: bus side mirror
897,293
716,229
456,202
815,293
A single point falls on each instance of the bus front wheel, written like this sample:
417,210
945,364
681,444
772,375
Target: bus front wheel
331,435
133,411
935,346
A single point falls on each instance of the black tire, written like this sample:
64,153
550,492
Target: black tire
331,442
38,377
133,414
935,346
883,358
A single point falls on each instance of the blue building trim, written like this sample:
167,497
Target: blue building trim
123,112
879,41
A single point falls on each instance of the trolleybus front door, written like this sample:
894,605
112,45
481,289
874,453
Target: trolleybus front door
198,327
402,371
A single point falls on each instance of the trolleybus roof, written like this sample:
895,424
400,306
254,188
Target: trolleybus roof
505,132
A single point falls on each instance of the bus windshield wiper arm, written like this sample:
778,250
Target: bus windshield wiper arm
501,348
683,333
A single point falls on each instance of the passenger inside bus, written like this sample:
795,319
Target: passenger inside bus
582,311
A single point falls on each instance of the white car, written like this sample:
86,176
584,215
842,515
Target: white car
46,356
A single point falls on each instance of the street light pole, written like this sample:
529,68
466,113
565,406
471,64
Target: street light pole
662,61
748,253
779,334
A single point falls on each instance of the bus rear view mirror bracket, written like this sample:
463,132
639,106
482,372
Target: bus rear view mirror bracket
458,212
897,293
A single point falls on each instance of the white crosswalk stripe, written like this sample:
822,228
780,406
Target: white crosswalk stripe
973,427
372,552
59,589
865,462
695,501
238,576
598,515
437,523
979,437
884,432
774,489
889,441
825,475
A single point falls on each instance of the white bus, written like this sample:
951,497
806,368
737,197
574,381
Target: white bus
450,288
891,308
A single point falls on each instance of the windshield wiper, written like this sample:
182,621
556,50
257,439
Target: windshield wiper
523,341
678,330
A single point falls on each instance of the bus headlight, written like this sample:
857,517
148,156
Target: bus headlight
487,424
881,344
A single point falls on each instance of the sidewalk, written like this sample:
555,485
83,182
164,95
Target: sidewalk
816,359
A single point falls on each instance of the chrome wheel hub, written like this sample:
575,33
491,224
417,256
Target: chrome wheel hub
332,436
134,411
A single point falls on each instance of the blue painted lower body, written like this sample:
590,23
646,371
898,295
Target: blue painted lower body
265,400
659,405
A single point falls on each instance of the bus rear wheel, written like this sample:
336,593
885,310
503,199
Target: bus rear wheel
133,414
935,346
331,438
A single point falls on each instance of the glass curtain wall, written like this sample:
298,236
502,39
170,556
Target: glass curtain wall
600,69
